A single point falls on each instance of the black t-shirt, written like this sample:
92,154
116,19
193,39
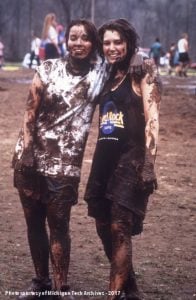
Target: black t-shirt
121,133
121,117
120,151
112,121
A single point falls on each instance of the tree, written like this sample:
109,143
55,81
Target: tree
150,17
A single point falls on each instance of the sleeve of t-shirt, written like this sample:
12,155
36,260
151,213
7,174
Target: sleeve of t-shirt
44,70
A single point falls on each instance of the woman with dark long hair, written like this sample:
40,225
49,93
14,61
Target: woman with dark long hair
122,175
49,151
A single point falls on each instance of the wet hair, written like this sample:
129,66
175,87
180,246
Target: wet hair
127,33
90,30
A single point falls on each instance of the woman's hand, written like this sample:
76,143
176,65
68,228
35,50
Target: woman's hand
148,176
26,164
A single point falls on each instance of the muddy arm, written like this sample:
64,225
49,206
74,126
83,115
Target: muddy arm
151,93
32,105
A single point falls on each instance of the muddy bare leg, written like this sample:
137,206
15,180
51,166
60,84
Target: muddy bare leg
121,258
60,243
122,278
35,217
104,233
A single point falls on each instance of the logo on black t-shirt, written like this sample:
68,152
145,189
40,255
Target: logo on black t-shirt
111,118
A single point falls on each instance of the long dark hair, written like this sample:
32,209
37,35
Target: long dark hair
91,32
127,33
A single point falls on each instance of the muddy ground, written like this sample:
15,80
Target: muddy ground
164,254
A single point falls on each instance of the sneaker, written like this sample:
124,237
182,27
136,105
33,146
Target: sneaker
131,289
36,286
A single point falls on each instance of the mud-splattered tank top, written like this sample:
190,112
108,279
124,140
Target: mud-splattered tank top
120,146
121,121
64,117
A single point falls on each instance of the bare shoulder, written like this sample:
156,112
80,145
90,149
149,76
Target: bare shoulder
151,72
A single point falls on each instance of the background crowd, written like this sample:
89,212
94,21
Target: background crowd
176,58
51,44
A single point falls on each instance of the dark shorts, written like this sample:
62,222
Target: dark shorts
99,208
48,188
107,211
156,60
184,57
123,190
123,187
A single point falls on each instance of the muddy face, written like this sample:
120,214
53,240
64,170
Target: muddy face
79,44
114,47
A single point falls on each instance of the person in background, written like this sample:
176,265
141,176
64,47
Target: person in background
61,40
1,53
122,175
49,151
50,36
156,51
35,46
171,56
184,59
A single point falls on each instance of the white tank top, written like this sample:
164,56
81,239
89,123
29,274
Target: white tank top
182,45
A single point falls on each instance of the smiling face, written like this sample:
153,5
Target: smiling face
79,44
114,47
